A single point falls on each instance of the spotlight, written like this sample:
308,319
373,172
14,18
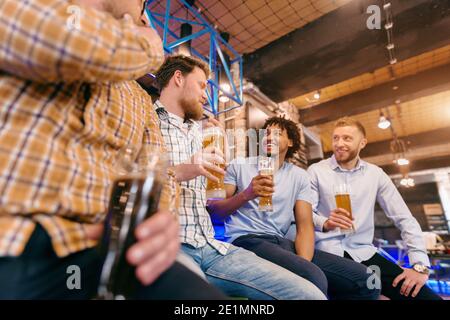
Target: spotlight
407,182
226,87
223,98
402,161
390,46
384,122
317,95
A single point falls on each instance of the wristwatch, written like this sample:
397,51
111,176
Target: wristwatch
421,268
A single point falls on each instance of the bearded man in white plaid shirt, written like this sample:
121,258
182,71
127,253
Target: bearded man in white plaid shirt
235,271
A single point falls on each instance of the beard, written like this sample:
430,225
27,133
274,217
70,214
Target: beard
192,108
351,155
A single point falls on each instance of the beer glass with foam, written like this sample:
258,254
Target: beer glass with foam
266,167
213,137
342,198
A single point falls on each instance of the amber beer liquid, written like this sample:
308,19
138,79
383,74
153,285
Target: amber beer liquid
343,201
342,197
265,203
266,167
214,190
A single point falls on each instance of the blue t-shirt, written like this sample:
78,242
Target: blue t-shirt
291,184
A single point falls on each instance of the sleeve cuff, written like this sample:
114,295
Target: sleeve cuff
418,257
319,222
306,199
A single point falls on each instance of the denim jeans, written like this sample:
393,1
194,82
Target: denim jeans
390,271
346,279
39,274
242,273
186,261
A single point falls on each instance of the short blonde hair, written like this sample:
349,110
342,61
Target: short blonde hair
349,122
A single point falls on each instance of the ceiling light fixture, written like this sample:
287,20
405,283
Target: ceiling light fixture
223,98
384,122
389,26
402,161
317,95
407,182
226,87
398,147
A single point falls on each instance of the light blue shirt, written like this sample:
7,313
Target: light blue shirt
291,184
368,184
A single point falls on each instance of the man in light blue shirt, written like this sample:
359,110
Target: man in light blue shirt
368,184
263,232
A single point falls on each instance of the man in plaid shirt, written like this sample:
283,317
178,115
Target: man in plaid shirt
236,271
68,104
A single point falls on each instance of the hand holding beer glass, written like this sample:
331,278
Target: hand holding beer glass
141,173
213,137
266,167
342,197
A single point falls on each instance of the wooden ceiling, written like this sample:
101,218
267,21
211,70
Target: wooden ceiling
417,116
368,80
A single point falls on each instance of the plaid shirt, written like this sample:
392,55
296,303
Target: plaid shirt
65,110
183,140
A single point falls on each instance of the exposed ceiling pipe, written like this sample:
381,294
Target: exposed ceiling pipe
251,89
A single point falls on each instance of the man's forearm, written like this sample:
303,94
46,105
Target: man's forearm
224,208
84,45
411,234
304,244
180,174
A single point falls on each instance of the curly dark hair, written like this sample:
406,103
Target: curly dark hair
291,129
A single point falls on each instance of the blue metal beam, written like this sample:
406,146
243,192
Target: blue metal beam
180,19
216,58
185,39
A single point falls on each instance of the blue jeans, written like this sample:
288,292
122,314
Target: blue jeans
242,273
390,271
39,274
345,279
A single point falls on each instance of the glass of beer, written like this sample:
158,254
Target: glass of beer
266,167
342,197
140,176
214,137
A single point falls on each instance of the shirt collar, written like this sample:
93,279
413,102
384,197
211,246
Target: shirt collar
335,165
163,114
